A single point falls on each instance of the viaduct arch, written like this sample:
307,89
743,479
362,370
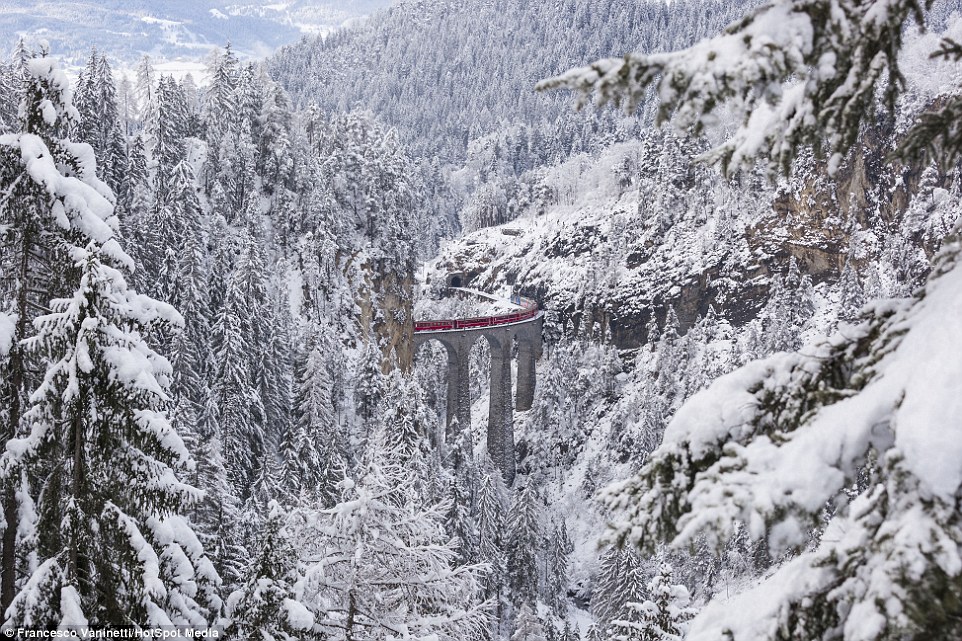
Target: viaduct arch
458,337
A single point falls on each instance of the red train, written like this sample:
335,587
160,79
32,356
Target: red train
530,311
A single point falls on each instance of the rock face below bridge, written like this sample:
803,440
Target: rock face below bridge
386,305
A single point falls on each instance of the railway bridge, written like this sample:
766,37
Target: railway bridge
502,331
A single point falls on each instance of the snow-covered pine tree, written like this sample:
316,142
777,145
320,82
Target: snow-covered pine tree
709,345
569,633
166,135
223,253
192,103
238,159
620,581
304,473
105,462
250,99
146,94
277,374
493,498
175,222
461,519
274,161
53,207
219,515
192,356
29,236
266,607
527,625
790,307
219,120
135,201
851,295
127,106
261,327
99,125
383,565
558,547
662,616
670,386
220,107
404,429
83,93
550,630
369,388
245,360
241,408
552,407
522,543
11,84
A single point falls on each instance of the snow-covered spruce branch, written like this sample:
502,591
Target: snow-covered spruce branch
775,443
763,405
472,618
797,72
8,192
37,307
372,623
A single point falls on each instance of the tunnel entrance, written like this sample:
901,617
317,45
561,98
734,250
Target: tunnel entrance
455,281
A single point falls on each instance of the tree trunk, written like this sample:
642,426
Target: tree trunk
76,487
351,610
8,555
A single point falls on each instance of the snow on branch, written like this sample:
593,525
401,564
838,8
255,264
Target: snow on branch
796,72
8,325
861,431
150,564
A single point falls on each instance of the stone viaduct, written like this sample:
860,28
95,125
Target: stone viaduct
502,333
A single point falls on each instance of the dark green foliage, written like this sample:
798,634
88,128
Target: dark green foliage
108,504
95,98
662,616
620,581
265,608
521,546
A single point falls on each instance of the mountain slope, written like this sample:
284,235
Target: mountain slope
127,30
446,73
